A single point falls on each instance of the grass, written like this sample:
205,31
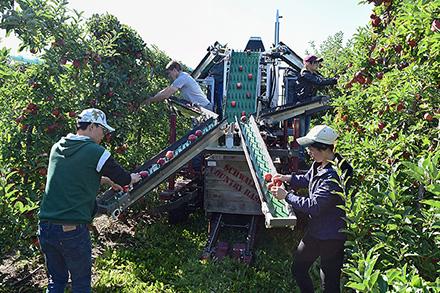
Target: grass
165,258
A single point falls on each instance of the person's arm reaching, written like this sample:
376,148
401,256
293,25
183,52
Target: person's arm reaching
322,198
162,95
295,181
117,174
319,80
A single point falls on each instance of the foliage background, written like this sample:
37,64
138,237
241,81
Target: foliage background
386,108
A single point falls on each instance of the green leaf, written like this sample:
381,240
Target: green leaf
431,202
357,286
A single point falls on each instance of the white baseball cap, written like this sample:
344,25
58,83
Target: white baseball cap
93,115
319,133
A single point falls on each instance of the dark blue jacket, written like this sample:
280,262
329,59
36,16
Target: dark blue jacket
326,219
308,84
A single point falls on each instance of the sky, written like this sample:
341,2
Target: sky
185,29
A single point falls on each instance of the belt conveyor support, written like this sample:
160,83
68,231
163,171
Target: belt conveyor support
277,213
160,167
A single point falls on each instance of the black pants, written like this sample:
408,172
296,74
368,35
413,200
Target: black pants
331,253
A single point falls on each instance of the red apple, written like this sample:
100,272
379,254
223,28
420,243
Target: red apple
32,108
169,155
428,117
267,177
35,241
400,106
278,182
248,95
344,118
72,114
120,150
412,43
359,77
239,85
394,136
110,93
42,171
379,75
250,76
198,133
240,68
192,138
398,48
243,113
375,22
76,63
56,112
161,161
269,186
63,61
381,125
243,119
372,61
402,65
233,103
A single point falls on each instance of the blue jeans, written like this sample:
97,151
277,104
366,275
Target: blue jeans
304,126
66,253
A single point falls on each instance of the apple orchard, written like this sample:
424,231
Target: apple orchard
386,108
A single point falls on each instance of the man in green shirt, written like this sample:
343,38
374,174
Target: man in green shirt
77,166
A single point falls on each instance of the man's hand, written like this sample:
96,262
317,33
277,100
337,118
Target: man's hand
108,181
117,187
278,192
283,178
135,178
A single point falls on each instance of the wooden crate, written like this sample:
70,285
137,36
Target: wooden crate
229,187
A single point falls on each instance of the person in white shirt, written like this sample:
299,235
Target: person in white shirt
187,85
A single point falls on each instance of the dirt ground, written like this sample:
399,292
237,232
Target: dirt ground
29,275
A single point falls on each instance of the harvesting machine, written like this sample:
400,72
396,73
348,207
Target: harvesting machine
251,133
